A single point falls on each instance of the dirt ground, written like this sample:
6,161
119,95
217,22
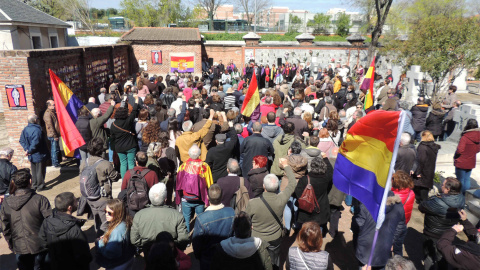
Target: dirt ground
340,248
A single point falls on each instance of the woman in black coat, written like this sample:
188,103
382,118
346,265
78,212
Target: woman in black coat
427,152
434,122
83,126
320,174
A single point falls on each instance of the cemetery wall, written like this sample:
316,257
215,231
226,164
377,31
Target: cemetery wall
83,69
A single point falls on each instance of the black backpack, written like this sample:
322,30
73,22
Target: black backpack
89,185
137,190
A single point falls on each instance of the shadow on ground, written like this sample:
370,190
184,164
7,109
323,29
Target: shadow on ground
414,247
345,259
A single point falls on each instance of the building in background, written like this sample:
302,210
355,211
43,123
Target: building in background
23,27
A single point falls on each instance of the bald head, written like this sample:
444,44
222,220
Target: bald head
257,127
91,100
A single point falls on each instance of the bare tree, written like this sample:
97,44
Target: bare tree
79,11
210,7
248,7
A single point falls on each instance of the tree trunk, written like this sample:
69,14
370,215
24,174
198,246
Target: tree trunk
210,17
372,48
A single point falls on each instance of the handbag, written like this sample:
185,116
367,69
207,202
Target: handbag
308,201
273,214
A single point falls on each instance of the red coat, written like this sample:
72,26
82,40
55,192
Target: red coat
408,198
467,149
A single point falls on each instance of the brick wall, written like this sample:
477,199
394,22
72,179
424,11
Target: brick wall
143,52
73,65
225,53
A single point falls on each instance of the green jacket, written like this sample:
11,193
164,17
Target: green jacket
151,221
96,125
264,224
281,145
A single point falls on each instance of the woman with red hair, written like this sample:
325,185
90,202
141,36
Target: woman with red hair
256,175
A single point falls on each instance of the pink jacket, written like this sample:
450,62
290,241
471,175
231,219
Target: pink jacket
143,92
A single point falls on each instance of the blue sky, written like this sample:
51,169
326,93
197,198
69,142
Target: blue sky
311,5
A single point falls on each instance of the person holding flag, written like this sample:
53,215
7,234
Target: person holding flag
251,103
364,169
367,87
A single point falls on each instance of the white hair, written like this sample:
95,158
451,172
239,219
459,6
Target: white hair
405,139
91,99
153,149
158,194
187,125
194,151
297,111
6,151
96,112
270,181
32,118
232,166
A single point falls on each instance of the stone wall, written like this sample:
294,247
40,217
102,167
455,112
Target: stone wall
143,52
84,71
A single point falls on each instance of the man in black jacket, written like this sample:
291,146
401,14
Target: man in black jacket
62,234
419,117
217,156
21,216
7,169
252,146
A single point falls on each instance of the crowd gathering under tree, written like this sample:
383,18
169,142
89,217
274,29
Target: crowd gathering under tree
195,171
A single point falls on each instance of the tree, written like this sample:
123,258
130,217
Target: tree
441,45
52,7
382,7
294,23
320,23
210,7
248,7
367,8
342,24
151,13
79,11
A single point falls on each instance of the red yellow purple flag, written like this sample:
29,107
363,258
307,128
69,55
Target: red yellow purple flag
252,98
66,105
367,84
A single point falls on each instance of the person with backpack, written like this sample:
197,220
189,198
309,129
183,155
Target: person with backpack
211,227
96,183
63,236
231,183
137,182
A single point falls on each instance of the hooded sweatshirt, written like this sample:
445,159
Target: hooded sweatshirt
310,153
67,244
270,132
236,253
281,145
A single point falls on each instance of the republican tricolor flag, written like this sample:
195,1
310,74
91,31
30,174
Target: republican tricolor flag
366,159
367,84
66,105
252,98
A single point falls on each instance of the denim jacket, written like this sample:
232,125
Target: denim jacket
211,227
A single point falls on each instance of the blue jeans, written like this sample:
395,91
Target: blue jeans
463,176
291,210
188,208
110,153
31,261
127,160
417,136
54,151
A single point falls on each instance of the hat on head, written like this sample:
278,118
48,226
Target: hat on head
221,137
229,90
152,79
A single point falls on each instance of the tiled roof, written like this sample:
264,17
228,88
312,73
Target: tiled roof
16,11
162,34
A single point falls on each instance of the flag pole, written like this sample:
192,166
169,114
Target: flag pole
381,213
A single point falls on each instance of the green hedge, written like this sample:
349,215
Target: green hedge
225,36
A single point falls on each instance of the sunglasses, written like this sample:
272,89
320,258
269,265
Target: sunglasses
110,213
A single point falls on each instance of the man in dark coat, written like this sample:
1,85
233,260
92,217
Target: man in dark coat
363,227
231,183
83,126
434,121
252,146
62,234
406,155
217,157
34,144
21,216
301,125
440,215
7,169
419,117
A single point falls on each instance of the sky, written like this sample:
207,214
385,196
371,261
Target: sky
310,5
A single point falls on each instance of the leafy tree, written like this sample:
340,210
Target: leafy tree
210,7
151,13
294,23
51,7
440,45
320,22
248,7
342,25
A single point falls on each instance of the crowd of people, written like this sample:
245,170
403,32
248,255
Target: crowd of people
195,171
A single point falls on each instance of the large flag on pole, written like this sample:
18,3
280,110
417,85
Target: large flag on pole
252,98
66,105
366,160
367,84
